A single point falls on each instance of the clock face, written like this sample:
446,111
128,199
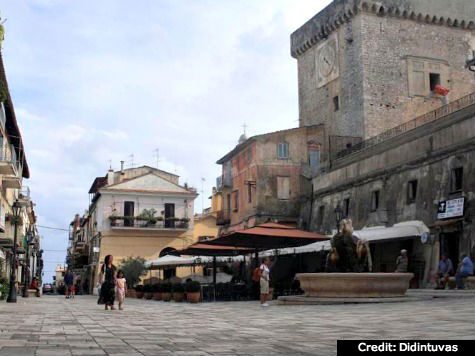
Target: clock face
326,60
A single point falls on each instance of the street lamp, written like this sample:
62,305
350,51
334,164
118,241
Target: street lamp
16,207
338,217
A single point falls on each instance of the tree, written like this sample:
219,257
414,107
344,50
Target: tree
133,268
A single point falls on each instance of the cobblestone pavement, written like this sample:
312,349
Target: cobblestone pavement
52,325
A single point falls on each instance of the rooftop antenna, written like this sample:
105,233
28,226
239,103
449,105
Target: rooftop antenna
157,155
131,160
202,195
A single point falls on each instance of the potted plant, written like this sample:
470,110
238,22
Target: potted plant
157,292
178,291
193,291
130,293
147,289
139,291
166,291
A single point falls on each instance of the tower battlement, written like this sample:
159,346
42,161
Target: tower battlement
455,13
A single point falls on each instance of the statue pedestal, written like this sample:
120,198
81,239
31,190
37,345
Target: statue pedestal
354,285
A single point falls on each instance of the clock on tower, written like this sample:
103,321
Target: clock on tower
327,61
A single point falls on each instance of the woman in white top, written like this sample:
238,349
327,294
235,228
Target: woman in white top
264,281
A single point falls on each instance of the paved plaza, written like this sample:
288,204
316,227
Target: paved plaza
52,325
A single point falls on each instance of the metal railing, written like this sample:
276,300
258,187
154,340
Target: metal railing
144,224
431,116
8,154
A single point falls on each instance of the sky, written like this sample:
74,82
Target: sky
96,82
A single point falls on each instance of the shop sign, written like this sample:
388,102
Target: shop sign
450,208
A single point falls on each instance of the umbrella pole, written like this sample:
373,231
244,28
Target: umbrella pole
256,262
214,278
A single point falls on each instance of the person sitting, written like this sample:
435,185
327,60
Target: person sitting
465,269
402,262
34,285
444,271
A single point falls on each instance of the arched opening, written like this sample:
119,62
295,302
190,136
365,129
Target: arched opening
170,272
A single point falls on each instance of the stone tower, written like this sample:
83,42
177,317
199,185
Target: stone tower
365,66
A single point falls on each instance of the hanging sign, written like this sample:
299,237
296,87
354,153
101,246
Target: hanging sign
450,208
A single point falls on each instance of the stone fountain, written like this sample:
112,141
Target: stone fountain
348,277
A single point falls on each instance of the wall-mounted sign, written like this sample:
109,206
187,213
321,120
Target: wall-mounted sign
450,208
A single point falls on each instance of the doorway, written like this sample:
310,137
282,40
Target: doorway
169,215
449,245
129,212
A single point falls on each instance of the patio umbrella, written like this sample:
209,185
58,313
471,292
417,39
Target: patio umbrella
266,237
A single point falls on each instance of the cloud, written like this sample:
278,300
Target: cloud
93,87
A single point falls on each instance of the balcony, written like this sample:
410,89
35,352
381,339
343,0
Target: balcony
9,164
138,223
223,217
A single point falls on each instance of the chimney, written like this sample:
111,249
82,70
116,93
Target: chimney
121,167
110,176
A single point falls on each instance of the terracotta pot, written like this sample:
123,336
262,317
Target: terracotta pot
130,293
139,295
178,297
148,295
166,297
193,297
157,295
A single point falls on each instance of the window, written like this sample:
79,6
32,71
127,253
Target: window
424,74
314,160
321,215
457,179
129,212
228,204
434,79
249,192
336,103
375,200
346,207
227,174
283,188
169,215
282,150
236,200
411,191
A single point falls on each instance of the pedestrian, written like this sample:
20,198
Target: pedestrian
68,282
402,262
264,281
465,269
444,271
121,289
107,278
73,292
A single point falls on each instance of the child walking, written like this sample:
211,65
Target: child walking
121,289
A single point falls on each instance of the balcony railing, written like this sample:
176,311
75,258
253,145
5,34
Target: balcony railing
9,163
431,116
124,222
223,217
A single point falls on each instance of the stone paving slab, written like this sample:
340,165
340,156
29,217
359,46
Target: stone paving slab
52,325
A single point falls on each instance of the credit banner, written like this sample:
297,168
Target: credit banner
405,347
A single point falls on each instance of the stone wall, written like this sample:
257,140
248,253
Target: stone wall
426,154
374,43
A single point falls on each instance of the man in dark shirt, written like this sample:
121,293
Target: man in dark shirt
444,271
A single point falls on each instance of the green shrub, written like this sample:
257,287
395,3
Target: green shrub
166,287
139,288
178,288
192,287
147,288
156,287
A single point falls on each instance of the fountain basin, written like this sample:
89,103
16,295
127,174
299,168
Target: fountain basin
354,285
